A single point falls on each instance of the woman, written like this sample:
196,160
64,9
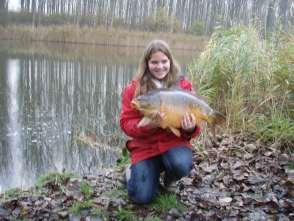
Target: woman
154,150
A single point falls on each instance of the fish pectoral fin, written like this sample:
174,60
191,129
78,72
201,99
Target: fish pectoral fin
175,131
144,122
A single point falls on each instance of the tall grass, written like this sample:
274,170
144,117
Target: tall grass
248,79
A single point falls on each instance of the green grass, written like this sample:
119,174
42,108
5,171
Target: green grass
77,207
165,202
124,160
55,179
118,193
86,190
125,215
291,165
276,129
15,193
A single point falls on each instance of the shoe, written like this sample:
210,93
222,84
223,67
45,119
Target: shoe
167,179
126,175
172,188
169,184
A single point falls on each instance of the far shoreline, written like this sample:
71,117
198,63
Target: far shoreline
117,53
100,36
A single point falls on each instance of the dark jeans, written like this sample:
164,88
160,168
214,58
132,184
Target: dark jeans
144,182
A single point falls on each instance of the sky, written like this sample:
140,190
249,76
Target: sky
13,5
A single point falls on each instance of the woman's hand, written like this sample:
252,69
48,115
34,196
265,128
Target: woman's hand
188,122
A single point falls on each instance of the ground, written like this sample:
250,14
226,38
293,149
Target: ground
233,178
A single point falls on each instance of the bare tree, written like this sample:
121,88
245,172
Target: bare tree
262,13
3,11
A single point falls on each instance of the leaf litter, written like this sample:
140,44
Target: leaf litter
234,178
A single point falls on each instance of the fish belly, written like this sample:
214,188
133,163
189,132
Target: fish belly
172,116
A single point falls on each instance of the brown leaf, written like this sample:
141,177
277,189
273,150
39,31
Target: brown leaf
208,168
254,179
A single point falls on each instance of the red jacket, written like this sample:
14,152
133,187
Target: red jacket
147,142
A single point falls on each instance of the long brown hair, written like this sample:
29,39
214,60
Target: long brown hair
144,77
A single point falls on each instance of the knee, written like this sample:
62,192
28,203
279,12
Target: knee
182,169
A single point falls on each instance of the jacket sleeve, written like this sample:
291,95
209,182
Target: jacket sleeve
187,85
129,117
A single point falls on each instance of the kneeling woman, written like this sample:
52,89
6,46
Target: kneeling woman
154,150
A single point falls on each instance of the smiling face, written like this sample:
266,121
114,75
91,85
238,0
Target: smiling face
159,65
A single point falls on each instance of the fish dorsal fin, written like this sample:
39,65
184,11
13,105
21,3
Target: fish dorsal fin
144,122
175,131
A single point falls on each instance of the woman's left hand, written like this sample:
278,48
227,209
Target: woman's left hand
188,122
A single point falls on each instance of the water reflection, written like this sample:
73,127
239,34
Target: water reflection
59,113
13,124
50,104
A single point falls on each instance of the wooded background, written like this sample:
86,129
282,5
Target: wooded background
198,16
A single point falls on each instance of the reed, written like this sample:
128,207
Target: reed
247,78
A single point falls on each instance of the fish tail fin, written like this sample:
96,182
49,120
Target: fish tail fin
216,118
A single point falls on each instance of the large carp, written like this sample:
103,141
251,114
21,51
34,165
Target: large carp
174,103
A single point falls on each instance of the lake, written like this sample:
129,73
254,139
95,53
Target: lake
60,108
